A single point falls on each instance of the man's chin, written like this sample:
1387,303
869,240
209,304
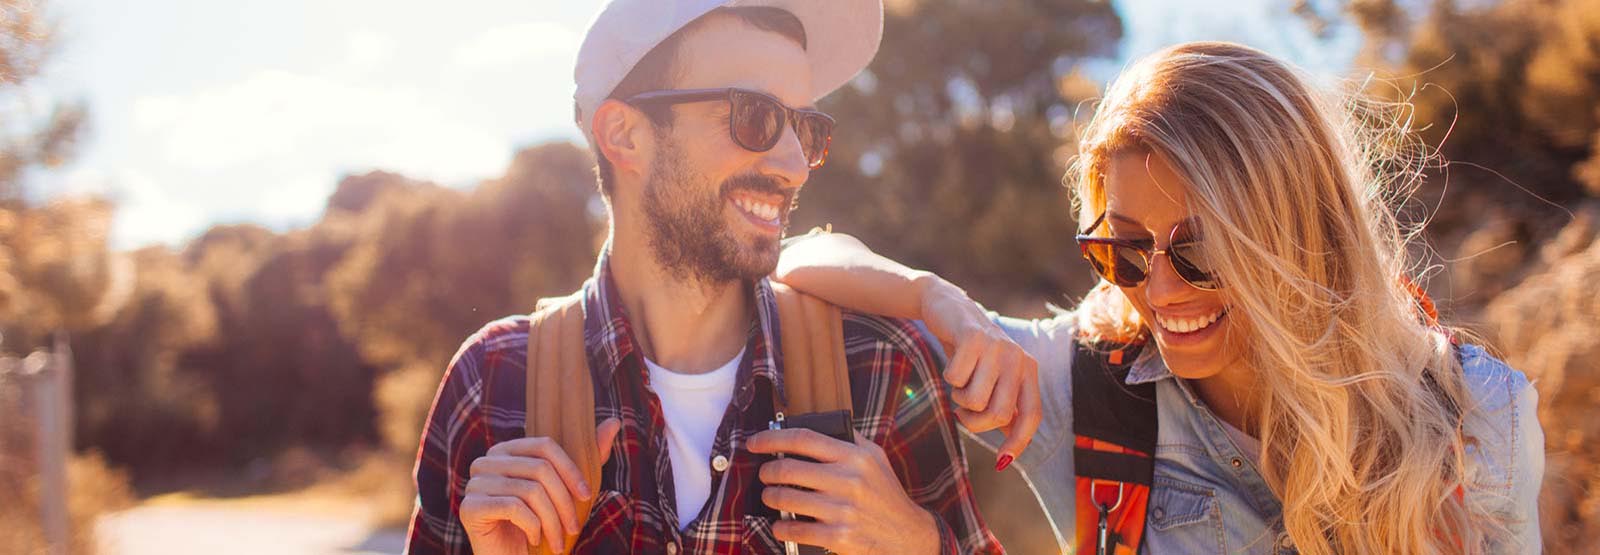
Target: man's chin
758,258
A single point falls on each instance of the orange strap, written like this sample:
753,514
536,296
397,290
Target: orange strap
560,392
560,387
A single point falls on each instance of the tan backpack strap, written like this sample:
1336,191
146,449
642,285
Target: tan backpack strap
816,377
560,391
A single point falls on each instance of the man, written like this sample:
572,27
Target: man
699,117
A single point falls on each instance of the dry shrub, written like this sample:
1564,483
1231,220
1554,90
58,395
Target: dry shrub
94,488
1549,327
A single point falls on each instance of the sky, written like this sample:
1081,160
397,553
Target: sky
209,111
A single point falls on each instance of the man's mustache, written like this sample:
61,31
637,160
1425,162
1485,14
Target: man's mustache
760,184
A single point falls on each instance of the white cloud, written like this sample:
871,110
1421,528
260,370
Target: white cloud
253,131
365,49
510,44
149,213
272,146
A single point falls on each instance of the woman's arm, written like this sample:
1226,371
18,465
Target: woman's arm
841,269
995,383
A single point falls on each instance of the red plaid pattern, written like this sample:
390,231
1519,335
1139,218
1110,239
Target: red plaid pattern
898,404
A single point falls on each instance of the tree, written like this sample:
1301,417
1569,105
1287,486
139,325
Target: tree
951,147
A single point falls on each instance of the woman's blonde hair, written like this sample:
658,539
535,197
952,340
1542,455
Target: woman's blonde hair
1361,400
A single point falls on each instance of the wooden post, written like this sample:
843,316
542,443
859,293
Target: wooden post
47,398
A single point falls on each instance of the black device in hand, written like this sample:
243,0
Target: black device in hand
834,424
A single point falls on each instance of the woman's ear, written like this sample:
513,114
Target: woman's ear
623,135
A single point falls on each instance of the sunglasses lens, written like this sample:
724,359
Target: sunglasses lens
1116,263
815,132
757,121
1191,264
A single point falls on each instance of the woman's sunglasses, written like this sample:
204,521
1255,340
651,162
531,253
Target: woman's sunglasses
1127,263
757,119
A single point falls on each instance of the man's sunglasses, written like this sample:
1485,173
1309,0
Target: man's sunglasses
756,119
1127,263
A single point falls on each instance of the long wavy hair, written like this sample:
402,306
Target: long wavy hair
1296,191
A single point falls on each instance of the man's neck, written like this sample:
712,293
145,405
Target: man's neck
680,322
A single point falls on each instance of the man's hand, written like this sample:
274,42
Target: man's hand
858,502
522,492
995,383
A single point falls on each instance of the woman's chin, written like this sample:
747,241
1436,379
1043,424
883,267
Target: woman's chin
1195,355
1192,367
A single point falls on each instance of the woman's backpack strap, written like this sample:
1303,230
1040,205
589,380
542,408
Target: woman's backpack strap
1114,447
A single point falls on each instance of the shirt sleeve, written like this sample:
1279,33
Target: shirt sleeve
456,434
1529,472
909,417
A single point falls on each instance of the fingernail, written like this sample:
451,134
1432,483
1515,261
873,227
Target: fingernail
583,490
1005,461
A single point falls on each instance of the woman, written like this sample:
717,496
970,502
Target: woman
1305,403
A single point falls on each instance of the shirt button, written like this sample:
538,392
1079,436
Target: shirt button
1237,463
672,548
1284,543
1159,513
719,463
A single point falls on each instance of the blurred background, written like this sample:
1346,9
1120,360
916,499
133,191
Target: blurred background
239,241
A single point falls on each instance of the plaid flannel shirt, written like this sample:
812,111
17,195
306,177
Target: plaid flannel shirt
898,404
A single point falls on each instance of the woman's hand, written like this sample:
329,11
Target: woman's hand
996,383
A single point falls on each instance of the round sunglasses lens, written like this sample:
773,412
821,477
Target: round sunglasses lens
1117,264
757,121
1192,265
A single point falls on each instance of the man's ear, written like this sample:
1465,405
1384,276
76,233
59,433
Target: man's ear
623,135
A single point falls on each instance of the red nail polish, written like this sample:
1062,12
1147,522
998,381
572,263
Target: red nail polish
1005,461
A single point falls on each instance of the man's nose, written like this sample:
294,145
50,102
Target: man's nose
786,160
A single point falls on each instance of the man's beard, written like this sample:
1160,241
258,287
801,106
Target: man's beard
689,234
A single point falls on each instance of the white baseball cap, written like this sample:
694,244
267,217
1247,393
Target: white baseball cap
841,38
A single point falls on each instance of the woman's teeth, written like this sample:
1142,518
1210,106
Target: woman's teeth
1187,325
761,210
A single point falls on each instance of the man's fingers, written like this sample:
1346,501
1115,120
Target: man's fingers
961,366
805,443
795,472
808,533
606,435
538,470
545,448
531,494
1030,411
802,502
489,511
539,500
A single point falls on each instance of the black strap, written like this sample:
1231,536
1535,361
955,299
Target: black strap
1117,467
1105,408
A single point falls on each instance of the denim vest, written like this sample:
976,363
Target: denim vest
1209,497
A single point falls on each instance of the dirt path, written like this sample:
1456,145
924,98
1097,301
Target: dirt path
292,523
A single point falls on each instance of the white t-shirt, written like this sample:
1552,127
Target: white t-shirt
693,405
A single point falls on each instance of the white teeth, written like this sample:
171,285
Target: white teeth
768,212
1187,325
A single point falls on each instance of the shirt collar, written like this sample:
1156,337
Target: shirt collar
1151,368
609,338
1148,367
